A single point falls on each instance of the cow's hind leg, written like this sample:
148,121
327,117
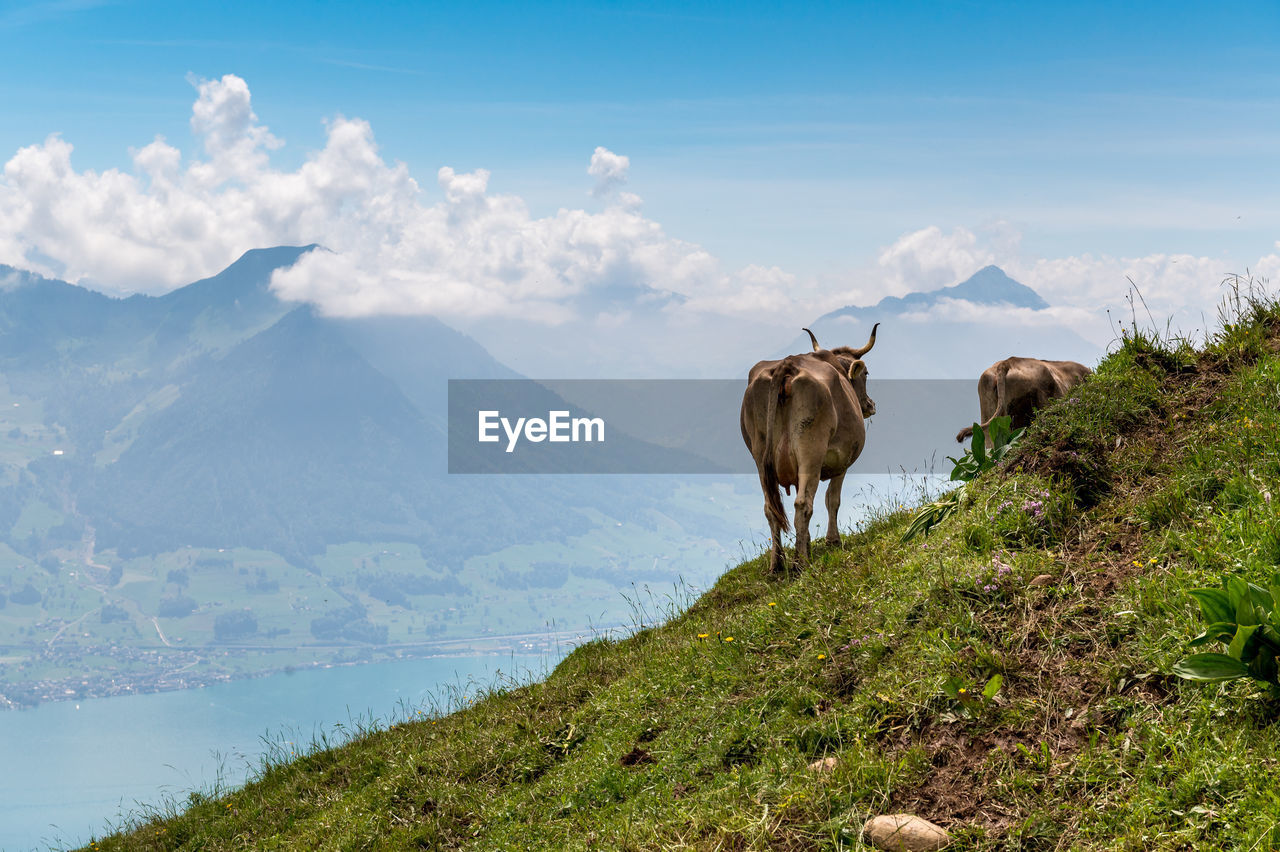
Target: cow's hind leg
776,561
805,492
833,509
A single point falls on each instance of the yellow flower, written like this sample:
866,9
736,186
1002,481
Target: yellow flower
728,638
773,603
822,656
1154,560
703,635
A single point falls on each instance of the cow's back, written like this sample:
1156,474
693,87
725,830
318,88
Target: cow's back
816,417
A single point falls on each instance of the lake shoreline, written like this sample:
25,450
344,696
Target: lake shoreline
190,669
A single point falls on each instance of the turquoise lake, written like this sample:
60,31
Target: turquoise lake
72,768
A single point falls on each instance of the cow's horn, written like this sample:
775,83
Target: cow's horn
871,341
816,347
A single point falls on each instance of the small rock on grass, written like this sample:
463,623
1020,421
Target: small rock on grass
1042,580
823,765
904,833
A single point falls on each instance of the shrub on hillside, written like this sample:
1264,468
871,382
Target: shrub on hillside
234,625
179,606
28,594
112,613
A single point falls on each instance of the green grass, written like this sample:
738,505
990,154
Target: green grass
1155,477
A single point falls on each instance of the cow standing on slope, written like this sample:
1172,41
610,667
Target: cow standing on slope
1016,387
802,420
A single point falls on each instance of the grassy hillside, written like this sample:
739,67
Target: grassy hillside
1066,572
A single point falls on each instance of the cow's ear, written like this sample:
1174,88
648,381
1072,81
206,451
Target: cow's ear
856,369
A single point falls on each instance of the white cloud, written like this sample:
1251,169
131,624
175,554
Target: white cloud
755,291
1088,292
236,144
455,249
928,259
958,310
609,170
395,247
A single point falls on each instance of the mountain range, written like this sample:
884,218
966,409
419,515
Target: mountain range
219,416
954,332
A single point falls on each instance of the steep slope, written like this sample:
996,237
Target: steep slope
1066,573
290,435
216,313
954,332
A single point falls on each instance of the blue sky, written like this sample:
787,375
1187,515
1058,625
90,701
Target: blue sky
813,138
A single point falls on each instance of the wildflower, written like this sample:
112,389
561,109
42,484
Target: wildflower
703,635
1154,560
822,656
728,638
773,603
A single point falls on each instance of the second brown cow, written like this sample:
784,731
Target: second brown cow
1016,387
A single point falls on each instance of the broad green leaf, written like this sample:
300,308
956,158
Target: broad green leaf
979,446
1002,433
1240,647
1261,597
999,428
1219,631
1214,605
993,686
951,686
1210,667
1241,601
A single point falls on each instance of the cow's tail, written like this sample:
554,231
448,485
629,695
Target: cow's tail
1002,394
1002,402
778,391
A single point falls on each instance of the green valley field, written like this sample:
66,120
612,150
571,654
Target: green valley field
1065,573
79,624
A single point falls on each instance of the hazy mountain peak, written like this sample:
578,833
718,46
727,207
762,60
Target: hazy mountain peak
988,286
249,275
918,342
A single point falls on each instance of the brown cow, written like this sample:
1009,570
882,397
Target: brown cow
1018,386
802,420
